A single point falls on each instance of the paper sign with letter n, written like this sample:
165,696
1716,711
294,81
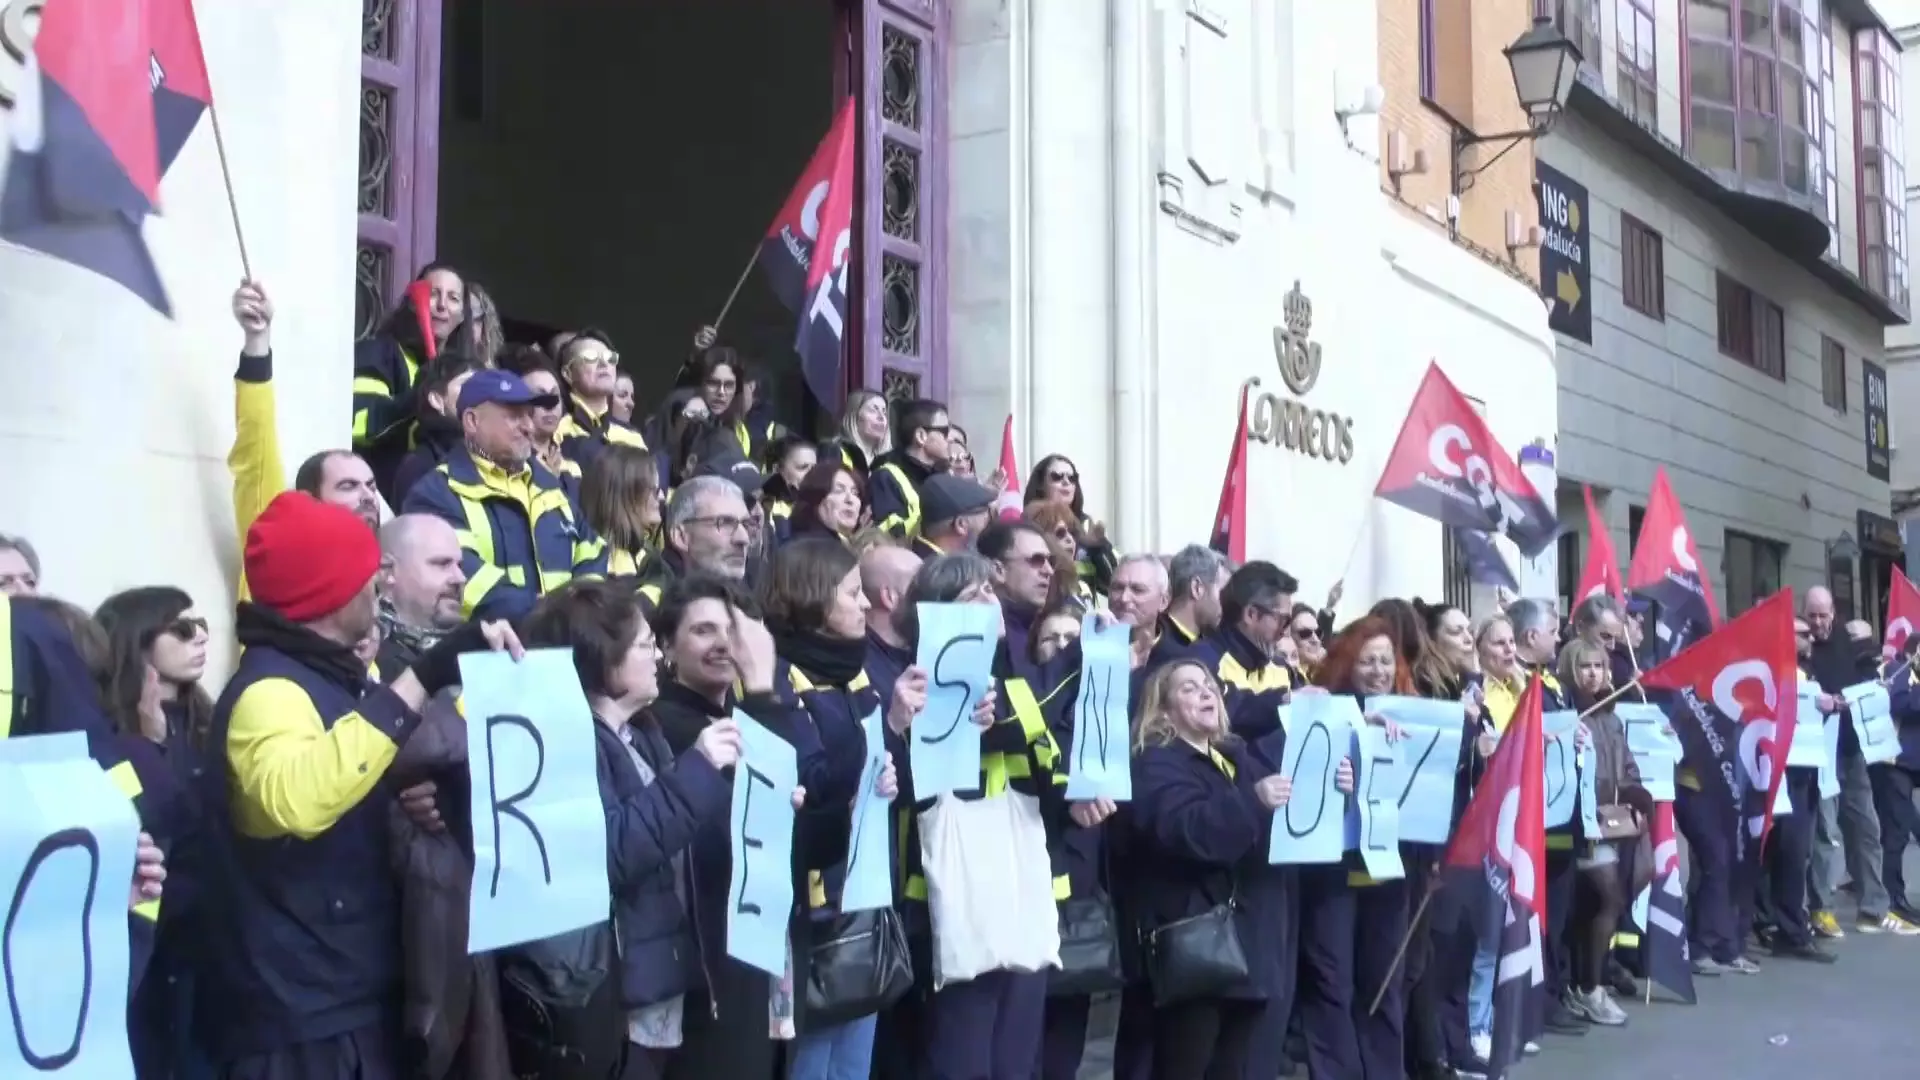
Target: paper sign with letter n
67,842
957,642
539,833
760,894
1102,762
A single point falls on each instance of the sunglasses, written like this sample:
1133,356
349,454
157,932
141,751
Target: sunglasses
1038,560
1063,477
185,628
1306,633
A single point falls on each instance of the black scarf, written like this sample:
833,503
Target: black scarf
263,627
827,660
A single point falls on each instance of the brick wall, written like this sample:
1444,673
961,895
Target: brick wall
1508,183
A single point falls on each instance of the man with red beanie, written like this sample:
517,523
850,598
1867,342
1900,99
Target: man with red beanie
302,961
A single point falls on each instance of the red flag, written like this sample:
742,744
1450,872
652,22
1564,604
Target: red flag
420,299
1666,562
1446,465
1734,686
85,168
1902,615
805,255
1230,519
1601,575
1008,501
181,89
1498,855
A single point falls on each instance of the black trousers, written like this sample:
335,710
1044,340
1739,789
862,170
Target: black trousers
1899,825
370,1053
1562,874
1789,846
1203,1040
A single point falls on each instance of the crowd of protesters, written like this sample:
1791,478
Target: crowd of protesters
309,842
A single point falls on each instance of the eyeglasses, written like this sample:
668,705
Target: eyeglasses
722,386
1063,477
722,523
1063,533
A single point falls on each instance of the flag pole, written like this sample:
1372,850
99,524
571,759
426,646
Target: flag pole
741,283
226,175
1610,698
1400,954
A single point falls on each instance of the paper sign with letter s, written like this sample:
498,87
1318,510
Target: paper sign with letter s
539,831
1429,751
760,893
1872,713
1311,827
957,643
67,842
869,881
1102,761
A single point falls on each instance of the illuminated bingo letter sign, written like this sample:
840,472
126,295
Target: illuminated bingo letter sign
1291,422
1566,278
67,843
539,831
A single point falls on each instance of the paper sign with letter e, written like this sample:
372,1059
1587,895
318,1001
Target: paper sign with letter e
760,894
869,881
67,843
1654,744
1311,827
1809,749
1873,722
1830,772
956,651
1102,765
539,831
1563,779
1376,788
1429,747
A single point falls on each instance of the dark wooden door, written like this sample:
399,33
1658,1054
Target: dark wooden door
399,151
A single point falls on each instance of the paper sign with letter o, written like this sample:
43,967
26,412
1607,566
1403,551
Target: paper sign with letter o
760,893
957,643
1311,827
67,843
539,831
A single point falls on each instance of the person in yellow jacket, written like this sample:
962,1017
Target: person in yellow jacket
588,370
259,473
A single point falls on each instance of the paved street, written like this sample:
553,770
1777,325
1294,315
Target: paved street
1853,1020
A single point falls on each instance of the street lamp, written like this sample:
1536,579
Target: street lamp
1545,64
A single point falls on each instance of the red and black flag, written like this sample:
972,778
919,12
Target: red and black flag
1447,466
806,256
1666,570
182,93
1497,862
1230,518
1731,689
1664,945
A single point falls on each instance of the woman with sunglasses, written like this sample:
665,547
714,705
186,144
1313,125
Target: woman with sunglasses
589,367
1056,522
1056,479
1309,633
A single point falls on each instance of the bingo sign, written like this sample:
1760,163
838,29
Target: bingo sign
1873,380
1566,278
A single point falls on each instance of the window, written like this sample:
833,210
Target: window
1880,164
1570,568
1833,374
1829,139
1752,90
1636,517
1446,59
1580,21
1643,275
1753,570
1753,329
1637,86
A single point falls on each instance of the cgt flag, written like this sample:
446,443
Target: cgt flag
1485,564
1446,466
1664,946
1731,689
1497,861
1666,569
805,255
182,92
1601,575
1230,518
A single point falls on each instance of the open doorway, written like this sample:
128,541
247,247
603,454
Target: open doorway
615,165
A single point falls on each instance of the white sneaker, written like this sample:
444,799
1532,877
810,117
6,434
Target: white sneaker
1481,1045
1598,1006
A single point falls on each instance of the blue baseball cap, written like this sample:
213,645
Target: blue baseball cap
497,387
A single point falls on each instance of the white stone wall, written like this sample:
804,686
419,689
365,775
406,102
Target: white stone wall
1119,331
1903,342
117,422
1743,450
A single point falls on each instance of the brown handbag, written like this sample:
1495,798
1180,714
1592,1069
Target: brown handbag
1617,822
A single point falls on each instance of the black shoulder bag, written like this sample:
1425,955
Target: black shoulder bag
1197,957
1089,940
857,966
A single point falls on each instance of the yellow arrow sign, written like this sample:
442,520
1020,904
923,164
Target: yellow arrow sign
1567,289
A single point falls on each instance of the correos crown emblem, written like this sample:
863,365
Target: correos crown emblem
1299,357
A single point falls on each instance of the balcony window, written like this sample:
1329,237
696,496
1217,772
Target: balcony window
1881,164
1637,86
1579,20
1829,139
1753,90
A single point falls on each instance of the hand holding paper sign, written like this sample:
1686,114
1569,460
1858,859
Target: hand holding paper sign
1273,791
720,743
149,872
1431,732
1872,713
760,892
1309,827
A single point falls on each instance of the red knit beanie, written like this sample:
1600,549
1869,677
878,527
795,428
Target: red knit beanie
307,559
